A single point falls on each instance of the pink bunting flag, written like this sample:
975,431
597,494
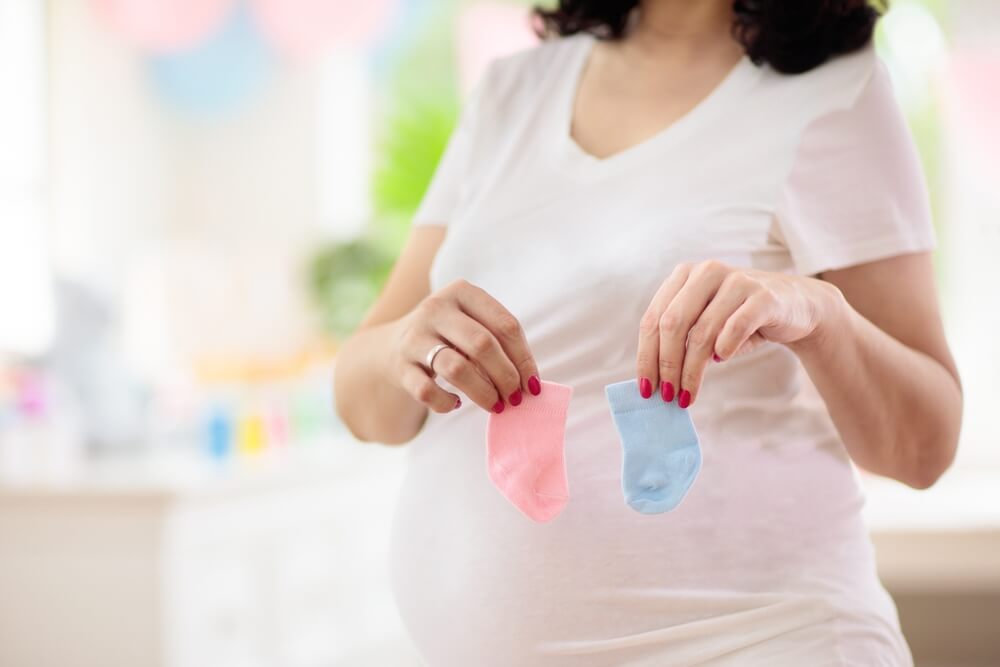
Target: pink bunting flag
163,26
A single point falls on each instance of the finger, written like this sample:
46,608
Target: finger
647,359
752,343
460,371
482,307
424,389
739,333
478,344
701,339
677,320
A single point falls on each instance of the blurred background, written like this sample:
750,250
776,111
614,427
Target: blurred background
199,199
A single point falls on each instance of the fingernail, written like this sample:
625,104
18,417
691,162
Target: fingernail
515,398
498,406
667,391
458,403
534,385
645,387
684,399
716,358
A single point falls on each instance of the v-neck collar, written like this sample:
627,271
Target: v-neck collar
584,163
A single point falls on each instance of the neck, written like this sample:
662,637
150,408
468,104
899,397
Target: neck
686,24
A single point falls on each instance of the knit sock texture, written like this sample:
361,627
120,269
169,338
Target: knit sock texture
525,452
662,455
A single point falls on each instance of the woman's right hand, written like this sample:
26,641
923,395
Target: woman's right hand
488,360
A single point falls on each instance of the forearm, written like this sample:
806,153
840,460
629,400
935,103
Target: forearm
373,408
897,409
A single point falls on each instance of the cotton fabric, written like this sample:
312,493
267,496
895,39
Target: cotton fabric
661,455
767,561
525,456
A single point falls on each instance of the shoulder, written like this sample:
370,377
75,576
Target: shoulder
836,85
535,63
531,71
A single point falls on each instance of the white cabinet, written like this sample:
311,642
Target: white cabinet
279,565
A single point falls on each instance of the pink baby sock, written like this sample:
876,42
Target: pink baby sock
525,454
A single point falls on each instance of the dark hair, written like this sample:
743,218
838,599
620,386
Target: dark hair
792,36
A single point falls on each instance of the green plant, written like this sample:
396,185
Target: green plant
420,108
344,279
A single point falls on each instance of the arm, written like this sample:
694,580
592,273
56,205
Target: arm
361,392
870,337
880,360
854,210
382,389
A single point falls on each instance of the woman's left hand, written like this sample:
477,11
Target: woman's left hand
712,311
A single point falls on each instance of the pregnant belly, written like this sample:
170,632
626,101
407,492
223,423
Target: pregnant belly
760,547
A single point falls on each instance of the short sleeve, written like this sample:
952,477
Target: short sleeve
445,189
856,191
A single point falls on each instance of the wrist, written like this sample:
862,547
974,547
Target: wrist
832,316
384,353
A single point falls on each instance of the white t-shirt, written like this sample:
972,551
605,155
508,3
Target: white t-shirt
767,561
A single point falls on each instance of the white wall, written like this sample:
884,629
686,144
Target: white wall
971,231
202,226
26,309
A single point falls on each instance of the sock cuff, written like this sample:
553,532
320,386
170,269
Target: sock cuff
553,397
624,396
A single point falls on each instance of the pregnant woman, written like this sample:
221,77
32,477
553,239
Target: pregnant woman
719,200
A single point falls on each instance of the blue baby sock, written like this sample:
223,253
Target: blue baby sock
662,455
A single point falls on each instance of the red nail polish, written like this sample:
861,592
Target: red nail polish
498,406
684,399
645,387
716,358
515,398
458,403
667,391
534,385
